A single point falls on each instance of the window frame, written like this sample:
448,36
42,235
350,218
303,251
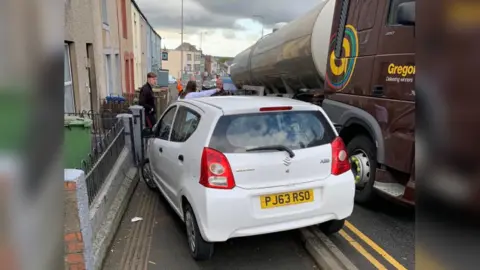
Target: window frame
109,74
105,13
156,128
391,16
189,57
181,125
69,82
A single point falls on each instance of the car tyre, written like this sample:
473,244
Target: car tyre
147,175
200,249
332,226
364,145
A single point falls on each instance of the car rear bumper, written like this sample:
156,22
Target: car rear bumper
226,214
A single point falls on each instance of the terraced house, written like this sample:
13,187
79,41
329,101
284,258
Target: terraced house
109,48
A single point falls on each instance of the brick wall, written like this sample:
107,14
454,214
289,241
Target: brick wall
77,229
74,257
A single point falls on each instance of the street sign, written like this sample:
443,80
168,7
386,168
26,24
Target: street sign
164,56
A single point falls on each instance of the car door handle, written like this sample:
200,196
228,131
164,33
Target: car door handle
180,157
160,149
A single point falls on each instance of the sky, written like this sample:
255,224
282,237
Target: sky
219,27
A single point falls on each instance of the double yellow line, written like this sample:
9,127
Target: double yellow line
373,245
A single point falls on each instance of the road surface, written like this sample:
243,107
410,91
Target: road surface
381,236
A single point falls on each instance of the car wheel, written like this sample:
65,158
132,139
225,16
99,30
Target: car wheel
362,153
199,248
147,175
332,226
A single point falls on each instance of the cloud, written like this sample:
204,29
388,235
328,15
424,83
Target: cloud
229,34
228,26
272,11
221,14
166,14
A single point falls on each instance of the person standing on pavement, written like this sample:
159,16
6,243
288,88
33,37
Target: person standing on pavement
191,91
179,86
147,99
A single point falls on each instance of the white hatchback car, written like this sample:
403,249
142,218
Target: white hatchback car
237,166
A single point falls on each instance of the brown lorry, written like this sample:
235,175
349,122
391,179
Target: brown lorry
361,56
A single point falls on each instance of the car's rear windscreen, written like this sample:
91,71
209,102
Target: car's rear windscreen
293,129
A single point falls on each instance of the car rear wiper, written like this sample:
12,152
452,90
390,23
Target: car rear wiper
273,147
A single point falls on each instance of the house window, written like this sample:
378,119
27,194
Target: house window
69,106
189,57
197,67
189,67
197,57
108,69
118,74
104,12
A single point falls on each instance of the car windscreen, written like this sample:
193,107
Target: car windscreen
293,129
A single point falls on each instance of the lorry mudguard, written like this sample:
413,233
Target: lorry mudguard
347,115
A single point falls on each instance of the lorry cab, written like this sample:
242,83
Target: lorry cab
369,91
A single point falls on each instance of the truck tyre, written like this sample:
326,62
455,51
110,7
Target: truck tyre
362,153
147,175
200,249
332,226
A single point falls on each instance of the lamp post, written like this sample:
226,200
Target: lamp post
181,45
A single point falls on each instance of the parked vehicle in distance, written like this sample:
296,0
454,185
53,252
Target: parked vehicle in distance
240,166
361,55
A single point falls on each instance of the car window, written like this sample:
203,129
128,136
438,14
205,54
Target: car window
186,123
162,131
294,129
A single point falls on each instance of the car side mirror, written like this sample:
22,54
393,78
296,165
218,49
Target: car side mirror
406,13
147,133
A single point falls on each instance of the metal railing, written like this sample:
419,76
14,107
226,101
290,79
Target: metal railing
100,162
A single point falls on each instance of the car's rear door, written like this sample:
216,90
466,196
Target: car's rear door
178,148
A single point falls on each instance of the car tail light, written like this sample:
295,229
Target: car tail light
282,108
215,170
340,162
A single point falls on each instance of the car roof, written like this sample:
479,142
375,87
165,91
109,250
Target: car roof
236,104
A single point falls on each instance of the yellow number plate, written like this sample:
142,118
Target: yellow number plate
287,198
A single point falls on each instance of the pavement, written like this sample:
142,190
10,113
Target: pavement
375,237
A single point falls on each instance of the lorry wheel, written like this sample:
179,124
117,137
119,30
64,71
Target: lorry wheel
332,226
199,249
362,153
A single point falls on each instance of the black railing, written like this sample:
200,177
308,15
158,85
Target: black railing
101,161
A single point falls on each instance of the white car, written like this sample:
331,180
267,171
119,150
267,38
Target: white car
237,166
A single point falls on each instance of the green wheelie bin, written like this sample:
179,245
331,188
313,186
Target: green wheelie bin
78,141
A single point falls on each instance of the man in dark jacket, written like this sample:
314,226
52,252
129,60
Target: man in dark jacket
147,100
